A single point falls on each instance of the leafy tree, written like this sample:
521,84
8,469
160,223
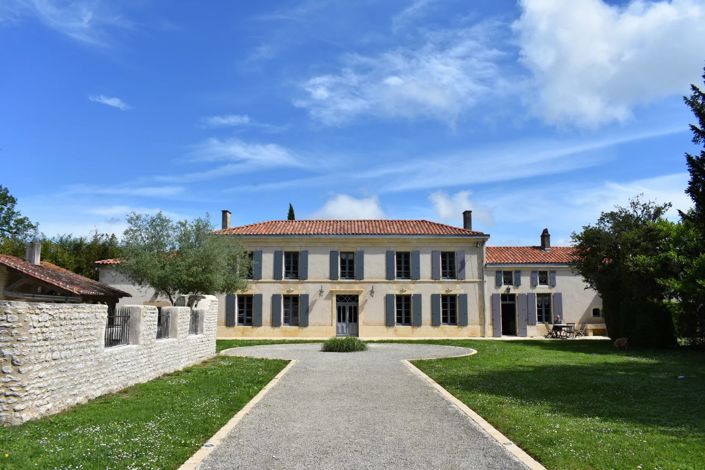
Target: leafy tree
79,254
181,257
626,257
291,215
13,225
696,163
690,246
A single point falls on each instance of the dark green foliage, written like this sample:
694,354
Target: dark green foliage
625,257
690,244
346,344
158,424
291,215
13,225
696,163
77,254
181,257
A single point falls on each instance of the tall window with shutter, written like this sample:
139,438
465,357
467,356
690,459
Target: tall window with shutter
449,309
291,310
448,270
403,310
543,308
403,265
245,310
291,265
347,265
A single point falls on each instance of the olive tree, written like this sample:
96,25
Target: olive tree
181,257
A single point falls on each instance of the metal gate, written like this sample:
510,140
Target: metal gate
346,307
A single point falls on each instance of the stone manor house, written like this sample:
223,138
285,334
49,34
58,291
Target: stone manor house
393,279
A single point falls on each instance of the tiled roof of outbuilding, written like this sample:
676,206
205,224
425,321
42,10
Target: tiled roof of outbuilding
349,227
529,255
60,277
108,261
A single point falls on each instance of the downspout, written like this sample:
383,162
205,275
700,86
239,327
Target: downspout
483,308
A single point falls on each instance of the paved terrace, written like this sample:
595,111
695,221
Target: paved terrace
356,410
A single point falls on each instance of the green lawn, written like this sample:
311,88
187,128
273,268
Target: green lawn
158,424
223,344
581,404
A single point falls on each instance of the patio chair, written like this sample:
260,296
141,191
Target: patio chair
581,330
569,330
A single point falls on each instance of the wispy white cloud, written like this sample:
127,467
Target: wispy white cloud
448,207
409,14
226,120
236,157
343,206
112,101
90,22
449,72
126,190
566,207
593,63
514,161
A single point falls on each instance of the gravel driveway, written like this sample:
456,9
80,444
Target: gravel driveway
356,410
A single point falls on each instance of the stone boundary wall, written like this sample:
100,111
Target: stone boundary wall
52,356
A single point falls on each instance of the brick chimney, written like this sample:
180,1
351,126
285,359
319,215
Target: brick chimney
226,219
545,240
467,220
34,252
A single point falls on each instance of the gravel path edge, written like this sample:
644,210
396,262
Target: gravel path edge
194,462
503,440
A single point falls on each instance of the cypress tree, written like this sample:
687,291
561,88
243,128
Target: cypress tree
291,215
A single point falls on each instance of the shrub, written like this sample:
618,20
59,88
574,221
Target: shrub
347,344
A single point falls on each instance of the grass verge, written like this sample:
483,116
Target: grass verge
223,344
580,404
346,344
158,424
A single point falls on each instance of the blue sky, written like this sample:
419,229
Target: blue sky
533,114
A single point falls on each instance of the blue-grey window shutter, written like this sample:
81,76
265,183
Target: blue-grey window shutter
558,306
496,316
521,298
498,278
416,265
416,309
534,278
391,265
278,265
517,278
463,310
460,265
531,301
390,313
276,310
303,265
359,265
552,279
230,310
435,265
257,265
334,265
303,310
257,307
435,309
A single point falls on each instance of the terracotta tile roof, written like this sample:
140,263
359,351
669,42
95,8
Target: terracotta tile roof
60,277
109,261
528,255
349,227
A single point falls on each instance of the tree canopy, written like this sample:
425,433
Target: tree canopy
291,215
625,257
13,225
183,257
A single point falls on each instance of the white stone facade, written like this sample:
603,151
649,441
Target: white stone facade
53,356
